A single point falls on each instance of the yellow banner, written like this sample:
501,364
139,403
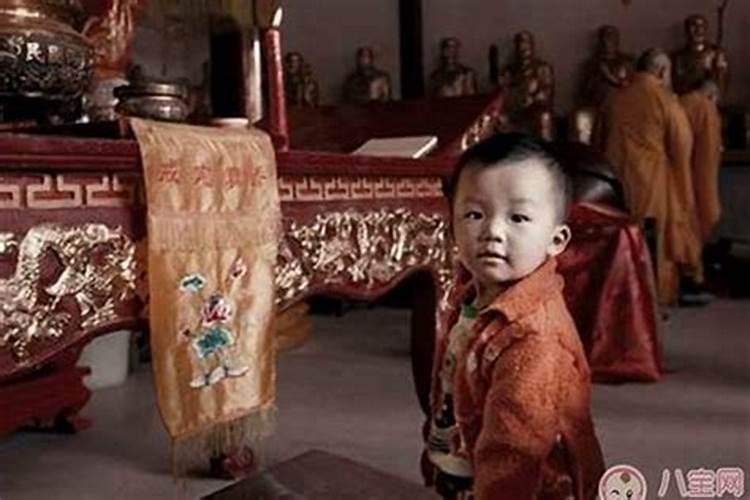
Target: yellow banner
213,228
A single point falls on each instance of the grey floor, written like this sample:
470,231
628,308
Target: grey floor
349,390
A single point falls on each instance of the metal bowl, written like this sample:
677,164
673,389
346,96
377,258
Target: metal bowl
151,99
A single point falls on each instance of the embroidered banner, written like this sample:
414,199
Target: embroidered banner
213,228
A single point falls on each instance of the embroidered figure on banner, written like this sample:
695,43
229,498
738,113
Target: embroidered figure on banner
211,338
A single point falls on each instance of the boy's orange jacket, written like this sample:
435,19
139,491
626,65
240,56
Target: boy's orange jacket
522,395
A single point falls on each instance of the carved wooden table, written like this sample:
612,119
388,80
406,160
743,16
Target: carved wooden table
72,236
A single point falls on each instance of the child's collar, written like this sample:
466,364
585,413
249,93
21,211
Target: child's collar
523,296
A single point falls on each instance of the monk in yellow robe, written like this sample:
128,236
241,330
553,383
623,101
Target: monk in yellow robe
682,218
647,143
701,110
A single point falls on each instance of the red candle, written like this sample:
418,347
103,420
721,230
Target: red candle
276,100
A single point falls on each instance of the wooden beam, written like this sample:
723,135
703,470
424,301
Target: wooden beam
411,48
227,78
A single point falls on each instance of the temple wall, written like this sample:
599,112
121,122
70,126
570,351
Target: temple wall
328,32
565,33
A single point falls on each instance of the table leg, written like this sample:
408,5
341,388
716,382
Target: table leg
424,292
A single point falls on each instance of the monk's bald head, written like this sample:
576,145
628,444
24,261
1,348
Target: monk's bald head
710,89
657,62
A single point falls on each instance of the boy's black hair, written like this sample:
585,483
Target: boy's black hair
500,149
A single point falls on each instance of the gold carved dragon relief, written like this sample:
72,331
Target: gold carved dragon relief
485,126
363,248
98,269
99,266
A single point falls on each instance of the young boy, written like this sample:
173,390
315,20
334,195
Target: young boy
511,391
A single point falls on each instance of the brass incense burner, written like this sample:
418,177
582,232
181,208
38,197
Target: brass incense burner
158,100
43,59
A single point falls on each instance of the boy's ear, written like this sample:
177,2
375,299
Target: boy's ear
560,240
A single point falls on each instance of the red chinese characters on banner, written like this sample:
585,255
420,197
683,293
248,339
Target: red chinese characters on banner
232,176
168,173
255,176
202,175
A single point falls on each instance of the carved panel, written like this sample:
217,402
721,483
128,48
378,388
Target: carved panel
485,126
320,188
362,249
10,195
96,267
46,192
125,190
96,271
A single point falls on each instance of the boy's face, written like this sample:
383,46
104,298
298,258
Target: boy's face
505,221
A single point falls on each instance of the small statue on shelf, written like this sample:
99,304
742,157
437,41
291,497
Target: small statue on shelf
699,60
451,78
367,83
531,84
300,86
530,80
608,68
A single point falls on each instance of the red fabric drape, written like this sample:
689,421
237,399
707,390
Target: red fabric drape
610,292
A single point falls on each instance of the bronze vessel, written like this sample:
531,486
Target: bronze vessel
42,56
153,99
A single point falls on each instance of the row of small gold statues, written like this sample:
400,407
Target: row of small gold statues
529,79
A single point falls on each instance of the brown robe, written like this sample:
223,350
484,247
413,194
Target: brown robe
706,124
646,141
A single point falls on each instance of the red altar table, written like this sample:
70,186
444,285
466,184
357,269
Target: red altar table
457,122
72,218
72,232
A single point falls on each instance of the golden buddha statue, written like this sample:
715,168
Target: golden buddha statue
451,78
529,79
699,60
367,83
530,82
300,87
609,68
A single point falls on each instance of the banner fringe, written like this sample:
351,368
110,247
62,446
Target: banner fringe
194,453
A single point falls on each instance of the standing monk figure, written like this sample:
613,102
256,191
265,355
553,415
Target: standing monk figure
699,59
647,142
701,110
682,227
